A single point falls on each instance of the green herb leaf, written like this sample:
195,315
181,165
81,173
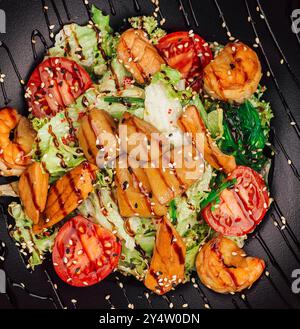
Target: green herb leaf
215,194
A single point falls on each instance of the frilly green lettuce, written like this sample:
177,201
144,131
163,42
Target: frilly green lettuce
191,229
101,209
150,25
34,245
60,153
83,43
94,98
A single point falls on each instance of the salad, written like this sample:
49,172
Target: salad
144,152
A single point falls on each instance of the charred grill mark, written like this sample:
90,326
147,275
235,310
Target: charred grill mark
175,245
60,201
32,191
144,193
136,63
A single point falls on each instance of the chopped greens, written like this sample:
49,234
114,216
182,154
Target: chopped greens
244,135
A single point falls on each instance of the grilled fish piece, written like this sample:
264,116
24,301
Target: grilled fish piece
191,122
175,173
167,264
66,194
162,174
33,190
98,132
138,55
142,133
134,193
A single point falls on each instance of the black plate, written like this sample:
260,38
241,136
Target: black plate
279,247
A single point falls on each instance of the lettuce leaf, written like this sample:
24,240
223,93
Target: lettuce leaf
57,149
101,209
84,44
133,262
94,98
34,245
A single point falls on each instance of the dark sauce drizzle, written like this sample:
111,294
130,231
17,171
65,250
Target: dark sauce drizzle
200,291
36,33
136,4
60,21
283,150
279,91
193,13
272,258
10,284
147,295
268,276
235,304
66,10
56,294
13,63
4,93
281,230
288,228
221,15
184,12
244,299
295,78
121,286
112,7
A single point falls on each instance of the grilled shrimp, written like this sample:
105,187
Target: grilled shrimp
223,267
138,55
15,151
234,74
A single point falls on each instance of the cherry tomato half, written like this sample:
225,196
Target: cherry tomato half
188,53
54,84
242,207
84,253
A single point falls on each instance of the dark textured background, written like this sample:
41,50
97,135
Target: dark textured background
280,248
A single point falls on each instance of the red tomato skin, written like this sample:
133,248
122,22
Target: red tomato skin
251,186
85,261
188,54
55,84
